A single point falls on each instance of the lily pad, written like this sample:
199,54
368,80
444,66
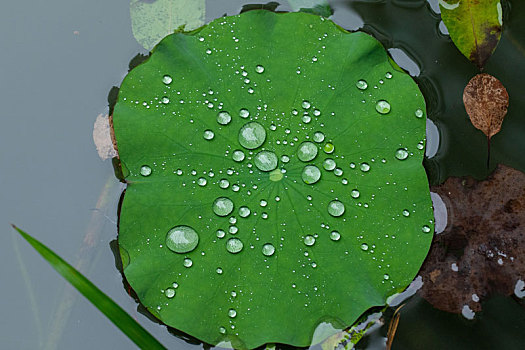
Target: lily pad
191,125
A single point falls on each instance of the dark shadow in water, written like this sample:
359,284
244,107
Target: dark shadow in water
270,6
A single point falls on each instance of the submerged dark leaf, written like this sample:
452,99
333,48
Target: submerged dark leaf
481,251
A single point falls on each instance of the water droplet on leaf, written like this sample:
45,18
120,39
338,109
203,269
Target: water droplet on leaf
169,293
167,79
252,135
336,208
307,151
266,161
223,206
182,239
268,249
361,84
224,118
208,135
145,170
382,107
311,174
234,245
309,240
401,154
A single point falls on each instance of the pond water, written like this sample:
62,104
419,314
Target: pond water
59,63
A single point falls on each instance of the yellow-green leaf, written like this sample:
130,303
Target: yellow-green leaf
474,26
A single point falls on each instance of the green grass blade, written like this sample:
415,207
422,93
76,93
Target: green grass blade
108,307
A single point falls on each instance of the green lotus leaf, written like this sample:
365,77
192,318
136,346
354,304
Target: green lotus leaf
274,179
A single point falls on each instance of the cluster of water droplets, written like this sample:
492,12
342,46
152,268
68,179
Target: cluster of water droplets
258,151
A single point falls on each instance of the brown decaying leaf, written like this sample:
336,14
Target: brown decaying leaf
482,250
103,137
392,328
486,101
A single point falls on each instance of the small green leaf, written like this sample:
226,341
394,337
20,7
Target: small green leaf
293,150
101,301
474,26
153,20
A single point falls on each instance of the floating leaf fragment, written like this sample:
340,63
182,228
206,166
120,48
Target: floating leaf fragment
474,26
153,20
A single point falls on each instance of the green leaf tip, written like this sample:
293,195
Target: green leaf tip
267,154
474,26
99,299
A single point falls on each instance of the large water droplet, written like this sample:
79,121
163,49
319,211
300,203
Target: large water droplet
223,183
244,113
244,212
234,245
165,100
307,151
238,155
364,247
329,164
306,104
365,167
309,240
232,313
406,213
336,208
285,159
355,193
335,236
419,113
252,135
361,84
222,330
388,75
268,249
208,135
145,170
401,154
224,118
318,137
219,271
383,107
167,79
169,293
266,161
223,206
187,262
202,181
182,239
259,69
311,174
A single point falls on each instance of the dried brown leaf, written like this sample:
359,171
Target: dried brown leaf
486,101
482,250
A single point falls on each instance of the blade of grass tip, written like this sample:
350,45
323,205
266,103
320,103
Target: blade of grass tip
29,289
101,301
